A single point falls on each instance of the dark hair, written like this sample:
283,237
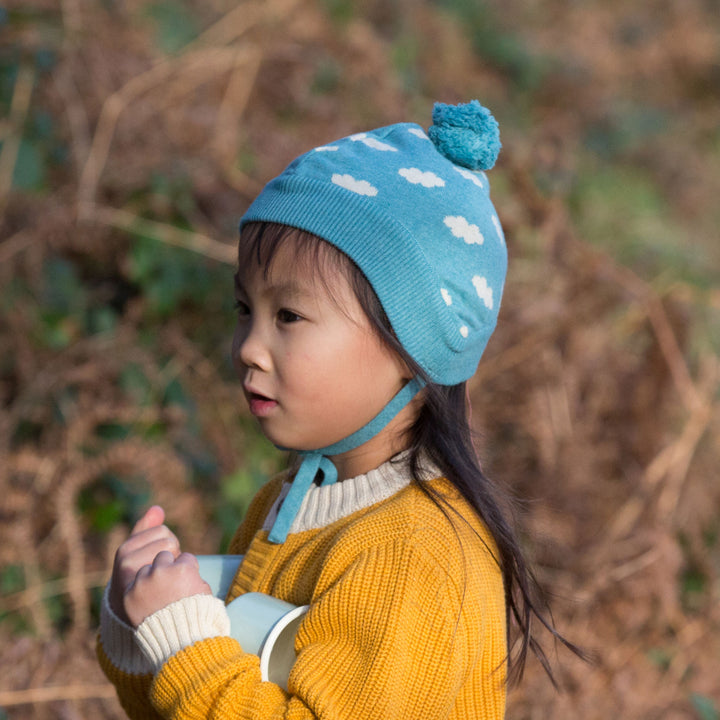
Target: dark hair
441,432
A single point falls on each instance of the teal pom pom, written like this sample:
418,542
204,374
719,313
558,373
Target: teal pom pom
467,135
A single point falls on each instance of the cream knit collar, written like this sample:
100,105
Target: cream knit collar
323,505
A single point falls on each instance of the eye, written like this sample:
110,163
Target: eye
287,316
241,308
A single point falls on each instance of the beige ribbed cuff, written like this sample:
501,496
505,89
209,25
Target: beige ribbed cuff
118,641
179,625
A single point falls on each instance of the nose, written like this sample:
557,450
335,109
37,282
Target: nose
249,349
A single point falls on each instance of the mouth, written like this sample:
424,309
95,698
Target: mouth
260,405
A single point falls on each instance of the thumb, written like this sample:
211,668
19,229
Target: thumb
153,517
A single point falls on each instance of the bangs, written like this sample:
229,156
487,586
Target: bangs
260,242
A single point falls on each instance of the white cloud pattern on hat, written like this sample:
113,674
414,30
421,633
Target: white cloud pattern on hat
498,227
468,175
372,142
418,133
461,228
418,177
446,296
327,148
484,291
361,187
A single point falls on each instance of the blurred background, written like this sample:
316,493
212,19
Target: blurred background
134,133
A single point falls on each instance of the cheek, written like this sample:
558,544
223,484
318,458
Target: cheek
303,372
375,361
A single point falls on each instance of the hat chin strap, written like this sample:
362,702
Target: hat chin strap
314,460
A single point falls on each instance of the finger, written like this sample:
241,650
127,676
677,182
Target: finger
128,561
163,559
196,584
151,542
187,558
144,571
153,517
141,550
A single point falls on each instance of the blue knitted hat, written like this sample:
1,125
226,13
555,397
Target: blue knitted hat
413,211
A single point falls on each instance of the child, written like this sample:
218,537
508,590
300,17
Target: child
369,282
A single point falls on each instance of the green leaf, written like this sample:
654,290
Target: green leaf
704,707
621,208
659,657
491,42
111,500
627,127
43,125
105,517
326,80
29,173
59,612
45,59
136,384
12,579
169,276
406,51
112,431
101,319
340,11
175,26
57,331
63,293
175,395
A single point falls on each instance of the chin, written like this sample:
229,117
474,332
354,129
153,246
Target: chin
286,441
299,442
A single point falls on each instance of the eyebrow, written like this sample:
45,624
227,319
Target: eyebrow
284,287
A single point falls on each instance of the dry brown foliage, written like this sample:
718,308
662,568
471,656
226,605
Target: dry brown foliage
593,405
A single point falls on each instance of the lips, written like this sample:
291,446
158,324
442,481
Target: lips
260,405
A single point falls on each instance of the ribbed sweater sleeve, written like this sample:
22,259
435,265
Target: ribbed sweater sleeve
383,639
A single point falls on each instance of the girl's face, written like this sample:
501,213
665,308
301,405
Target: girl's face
312,367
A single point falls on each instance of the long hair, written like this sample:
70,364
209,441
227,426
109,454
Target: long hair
440,432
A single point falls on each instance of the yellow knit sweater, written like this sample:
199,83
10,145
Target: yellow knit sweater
406,618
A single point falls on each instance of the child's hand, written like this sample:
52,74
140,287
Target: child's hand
148,538
167,580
